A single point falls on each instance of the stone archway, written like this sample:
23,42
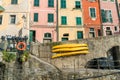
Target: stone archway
114,55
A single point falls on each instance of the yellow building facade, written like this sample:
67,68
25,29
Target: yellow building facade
14,17
70,22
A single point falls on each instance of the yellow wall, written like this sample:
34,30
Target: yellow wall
22,8
71,14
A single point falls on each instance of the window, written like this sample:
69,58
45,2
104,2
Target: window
66,34
12,19
99,32
108,31
48,35
50,3
77,4
64,39
63,3
63,20
78,21
115,28
35,17
106,16
92,13
47,38
36,2
14,1
50,17
0,19
79,35
91,33
112,0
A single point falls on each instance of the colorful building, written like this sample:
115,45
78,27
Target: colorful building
43,21
70,21
109,14
91,16
14,17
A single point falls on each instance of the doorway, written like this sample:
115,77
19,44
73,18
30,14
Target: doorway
32,36
114,55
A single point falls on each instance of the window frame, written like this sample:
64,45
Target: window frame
14,2
36,3
63,4
1,19
63,20
92,31
50,3
77,6
78,36
50,17
36,19
12,19
77,19
92,13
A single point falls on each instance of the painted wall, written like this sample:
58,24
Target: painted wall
112,7
71,28
42,26
22,8
88,21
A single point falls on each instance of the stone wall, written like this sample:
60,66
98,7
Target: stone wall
98,47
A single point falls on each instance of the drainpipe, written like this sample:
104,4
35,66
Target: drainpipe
101,26
57,29
117,8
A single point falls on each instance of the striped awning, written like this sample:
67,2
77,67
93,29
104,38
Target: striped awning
1,8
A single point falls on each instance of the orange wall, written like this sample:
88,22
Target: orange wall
87,19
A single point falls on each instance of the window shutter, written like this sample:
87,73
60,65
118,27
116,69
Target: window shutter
103,15
36,17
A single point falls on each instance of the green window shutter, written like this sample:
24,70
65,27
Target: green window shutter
36,2
103,16
63,20
14,2
110,16
0,19
31,36
79,35
77,4
63,3
35,17
112,0
50,18
92,13
64,39
50,3
78,21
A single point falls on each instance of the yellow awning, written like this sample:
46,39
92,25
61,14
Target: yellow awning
1,8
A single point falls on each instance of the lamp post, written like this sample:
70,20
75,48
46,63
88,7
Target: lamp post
24,22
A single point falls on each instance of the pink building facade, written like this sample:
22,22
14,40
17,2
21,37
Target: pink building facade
43,21
109,17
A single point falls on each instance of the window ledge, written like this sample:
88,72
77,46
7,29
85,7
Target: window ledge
93,19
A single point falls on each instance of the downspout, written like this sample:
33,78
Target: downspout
57,29
117,8
101,26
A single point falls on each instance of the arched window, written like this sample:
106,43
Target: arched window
47,35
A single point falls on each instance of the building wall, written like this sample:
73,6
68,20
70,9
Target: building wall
88,21
42,26
71,28
20,9
112,7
